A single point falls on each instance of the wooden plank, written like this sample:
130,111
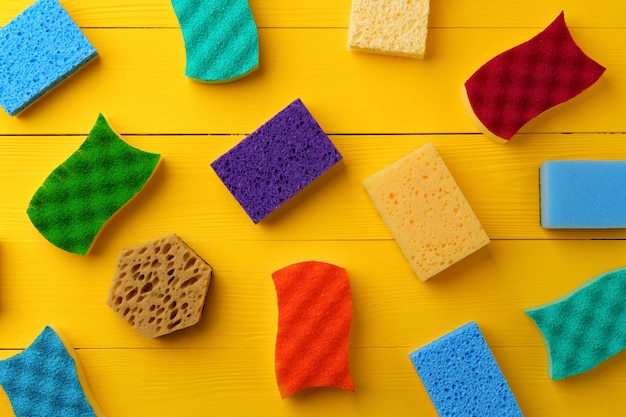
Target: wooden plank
501,182
139,81
333,13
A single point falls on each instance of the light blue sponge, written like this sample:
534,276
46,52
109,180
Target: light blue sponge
38,49
583,194
45,381
462,377
221,39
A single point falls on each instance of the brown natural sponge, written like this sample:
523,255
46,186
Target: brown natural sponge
160,287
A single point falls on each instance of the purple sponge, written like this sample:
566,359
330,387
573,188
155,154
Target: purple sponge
276,161
462,377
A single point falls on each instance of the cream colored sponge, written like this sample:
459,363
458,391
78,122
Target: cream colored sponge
426,212
160,286
389,27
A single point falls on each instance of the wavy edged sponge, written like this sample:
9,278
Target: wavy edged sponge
38,49
80,196
314,317
586,326
462,376
46,379
525,81
221,39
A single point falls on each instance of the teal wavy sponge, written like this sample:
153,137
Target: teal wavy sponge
462,376
46,379
221,39
586,326
85,191
38,49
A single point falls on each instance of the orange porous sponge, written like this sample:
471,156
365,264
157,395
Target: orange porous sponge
314,316
426,212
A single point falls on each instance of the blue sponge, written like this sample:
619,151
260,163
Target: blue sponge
38,49
583,194
462,377
46,380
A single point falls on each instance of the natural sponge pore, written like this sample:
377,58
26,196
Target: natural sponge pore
462,377
314,316
160,286
46,379
38,49
389,27
276,161
83,193
221,39
525,81
426,212
586,326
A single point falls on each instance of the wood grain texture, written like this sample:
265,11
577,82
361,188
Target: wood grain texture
376,109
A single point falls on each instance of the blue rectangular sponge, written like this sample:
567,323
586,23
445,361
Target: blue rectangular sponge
462,377
583,194
39,48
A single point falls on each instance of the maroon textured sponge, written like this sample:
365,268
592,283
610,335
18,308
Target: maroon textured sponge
276,161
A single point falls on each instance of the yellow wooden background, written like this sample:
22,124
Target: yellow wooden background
376,109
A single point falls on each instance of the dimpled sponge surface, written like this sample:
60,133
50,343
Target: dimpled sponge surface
586,326
462,376
583,194
276,161
47,380
525,81
38,49
314,316
84,192
426,212
221,40
389,27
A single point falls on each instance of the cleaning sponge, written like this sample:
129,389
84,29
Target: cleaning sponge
426,212
276,161
389,27
38,49
523,82
583,194
462,377
47,380
314,316
586,326
94,183
221,39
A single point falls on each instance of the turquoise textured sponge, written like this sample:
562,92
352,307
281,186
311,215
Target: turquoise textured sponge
583,194
84,192
38,49
221,39
47,380
462,377
586,326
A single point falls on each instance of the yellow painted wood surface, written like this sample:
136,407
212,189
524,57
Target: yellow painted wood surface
377,109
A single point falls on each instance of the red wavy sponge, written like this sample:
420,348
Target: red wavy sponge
314,316
523,82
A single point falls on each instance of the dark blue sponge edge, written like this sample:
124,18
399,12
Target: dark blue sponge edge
462,377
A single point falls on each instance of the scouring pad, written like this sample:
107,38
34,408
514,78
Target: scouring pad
47,380
80,196
462,377
314,316
525,81
586,326
221,39
276,161
582,194
38,49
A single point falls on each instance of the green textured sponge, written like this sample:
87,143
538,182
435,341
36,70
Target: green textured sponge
95,182
221,39
586,326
